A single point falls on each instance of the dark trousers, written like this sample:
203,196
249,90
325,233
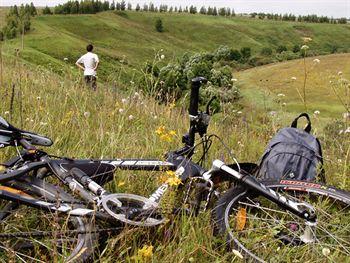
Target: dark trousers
91,82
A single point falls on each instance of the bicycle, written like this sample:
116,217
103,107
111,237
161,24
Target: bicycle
86,177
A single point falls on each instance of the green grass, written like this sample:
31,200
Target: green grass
133,38
57,105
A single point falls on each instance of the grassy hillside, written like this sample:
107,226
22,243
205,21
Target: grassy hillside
280,85
130,39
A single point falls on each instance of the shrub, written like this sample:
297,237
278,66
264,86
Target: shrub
281,48
287,55
159,25
246,53
266,51
296,48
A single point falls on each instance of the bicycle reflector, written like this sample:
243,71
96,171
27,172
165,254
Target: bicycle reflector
241,219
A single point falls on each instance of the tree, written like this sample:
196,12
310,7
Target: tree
215,12
47,11
129,6
281,48
33,11
159,25
112,7
138,8
122,5
145,8
203,10
246,53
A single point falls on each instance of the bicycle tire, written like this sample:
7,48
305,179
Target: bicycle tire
256,229
30,234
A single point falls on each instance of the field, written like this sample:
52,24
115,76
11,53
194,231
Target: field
116,123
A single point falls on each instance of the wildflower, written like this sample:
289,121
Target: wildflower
284,104
131,82
293,78
145,252
136,94
346,115
347,130
31,120
316,112
155,117
326,251
43,123
65,59
121,111
174,181
281,95
121,183
340,73
38,98
124,101
27,119
160,130
273,113
172,133
86,114
7,112
307,39
316,61
166,137
234,80
304,47
131,117
239,112
162,57
161,50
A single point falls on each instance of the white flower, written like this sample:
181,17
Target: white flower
326,251
130,117
346,115
293,78
161,50
31,120
7,112
239,112
27,119
43,123
124,101
38,98
162,57
136,94
316,112
281,95
340,73
284,104
273,113
316,61
121,110
155,117
65,59
347,130
234,80
87,114
304,47
131,82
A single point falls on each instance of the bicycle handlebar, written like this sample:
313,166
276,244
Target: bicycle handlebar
194,99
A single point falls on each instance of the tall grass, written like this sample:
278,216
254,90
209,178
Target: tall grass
112,123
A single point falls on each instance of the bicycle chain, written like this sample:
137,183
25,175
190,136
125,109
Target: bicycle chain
56,234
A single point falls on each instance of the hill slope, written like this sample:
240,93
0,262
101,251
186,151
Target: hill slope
130,38
262,85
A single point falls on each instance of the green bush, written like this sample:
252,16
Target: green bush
159,25
287,55
266,51
246,53
281,48
296,48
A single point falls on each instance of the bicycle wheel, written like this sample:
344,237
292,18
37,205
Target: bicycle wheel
258,230
29,234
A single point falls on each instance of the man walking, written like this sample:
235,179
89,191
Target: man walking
89,63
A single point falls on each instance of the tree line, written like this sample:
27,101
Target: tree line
95,6
294,18
17,21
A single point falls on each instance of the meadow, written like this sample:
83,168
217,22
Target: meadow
49,98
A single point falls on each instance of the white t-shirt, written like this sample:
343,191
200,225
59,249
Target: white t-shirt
89,60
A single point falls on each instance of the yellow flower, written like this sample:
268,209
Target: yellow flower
160,130
174,181
145,252
306,39
166,137
121,183
2,168
170,173
172,133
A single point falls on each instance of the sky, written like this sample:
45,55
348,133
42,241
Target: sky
331,8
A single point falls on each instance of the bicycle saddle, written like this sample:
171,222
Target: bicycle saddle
9,134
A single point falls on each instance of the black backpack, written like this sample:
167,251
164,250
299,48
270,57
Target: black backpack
293,154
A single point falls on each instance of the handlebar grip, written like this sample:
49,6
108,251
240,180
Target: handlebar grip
194,99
